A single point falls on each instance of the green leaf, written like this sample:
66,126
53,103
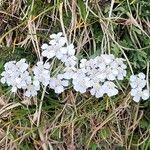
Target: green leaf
104,133
144,124
93,146
82,9
115,49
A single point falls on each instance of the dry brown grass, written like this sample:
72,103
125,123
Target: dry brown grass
72,121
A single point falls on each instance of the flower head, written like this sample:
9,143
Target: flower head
81,82
110,88
138,91
138,81
66,55
139,94
16,75
58,84
41,73
49,51
69,72
57,39
31,90
97,90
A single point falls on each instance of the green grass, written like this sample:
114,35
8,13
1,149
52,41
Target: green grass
73,121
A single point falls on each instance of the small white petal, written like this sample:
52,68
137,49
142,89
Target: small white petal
65,83
45,53
59,55
136,99
93,91
141,75
44,46
27,93
3,80
133,78
63,50
36,83
110,77
99,94
59,89
14,89
145,94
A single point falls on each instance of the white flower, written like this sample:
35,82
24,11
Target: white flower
104,67
91,69
58,49
41,73
66,55
9,73
95,75
138,81
121,74
110,74
69,50
57,39
16,75
22,65
145,94
97,90
58,84
69,72
83,63
70,61
101,76
23,80
118,68
48,51
81,82
108,59
110,88
139,94
31,90
118,62
141,75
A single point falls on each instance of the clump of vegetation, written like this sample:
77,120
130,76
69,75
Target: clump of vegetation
72,120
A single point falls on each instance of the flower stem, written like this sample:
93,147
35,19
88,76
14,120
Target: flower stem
40,106
44,146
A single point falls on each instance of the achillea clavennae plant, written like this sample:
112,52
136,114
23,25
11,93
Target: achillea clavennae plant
138,91
98,75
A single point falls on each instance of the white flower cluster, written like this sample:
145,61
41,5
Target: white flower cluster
57,48
98,74
17,76
138,91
